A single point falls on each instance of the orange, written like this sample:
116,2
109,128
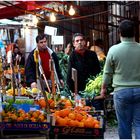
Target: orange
78,117
50,101
83,112
41,117
33,119
21,111
61,121
78,108
71,116
68,103
45,120
42,103
23,115
13,117
89,122
96,122
57,113
64,112
19,119
73,123
81,124
38,112
96,126
34,114
52,105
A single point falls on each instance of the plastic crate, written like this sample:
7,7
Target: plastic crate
26,107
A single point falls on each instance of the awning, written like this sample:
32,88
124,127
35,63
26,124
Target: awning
9,22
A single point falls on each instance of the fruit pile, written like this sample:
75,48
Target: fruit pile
9,71
60,104
22,116
23,91
42,103
75,118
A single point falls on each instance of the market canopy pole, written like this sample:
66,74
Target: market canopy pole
51,63
74,77
18,77
9,60
13,79
2,77
38,64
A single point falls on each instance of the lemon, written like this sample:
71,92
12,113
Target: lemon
23,90
34,90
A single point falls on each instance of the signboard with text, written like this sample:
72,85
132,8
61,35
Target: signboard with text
24,125
50,30
57,40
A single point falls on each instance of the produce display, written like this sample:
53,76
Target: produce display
76,118
21,104
22,116
93,87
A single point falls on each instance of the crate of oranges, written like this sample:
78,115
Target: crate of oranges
76,123
20,119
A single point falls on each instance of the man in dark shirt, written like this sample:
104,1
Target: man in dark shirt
84,61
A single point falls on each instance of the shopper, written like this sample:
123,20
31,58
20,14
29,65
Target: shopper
45,54
17,56
98,48
84,61
122,69
68,49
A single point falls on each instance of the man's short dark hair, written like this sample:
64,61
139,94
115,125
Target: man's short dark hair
77,34
40,37
127,28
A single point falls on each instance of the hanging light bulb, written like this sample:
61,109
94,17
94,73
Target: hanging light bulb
52,17
71,11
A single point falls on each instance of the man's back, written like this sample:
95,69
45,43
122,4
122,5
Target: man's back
125,61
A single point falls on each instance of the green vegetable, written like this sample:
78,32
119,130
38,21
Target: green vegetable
93,87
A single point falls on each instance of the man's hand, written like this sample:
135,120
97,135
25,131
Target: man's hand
33,85
103,91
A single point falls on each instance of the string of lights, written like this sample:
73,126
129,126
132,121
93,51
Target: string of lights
53,17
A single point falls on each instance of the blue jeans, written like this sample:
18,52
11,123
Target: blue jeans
127,107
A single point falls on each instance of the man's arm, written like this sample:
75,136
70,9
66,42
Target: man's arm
30,71
107,74
69,80
58,70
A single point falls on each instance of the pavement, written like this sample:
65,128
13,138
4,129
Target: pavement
111,133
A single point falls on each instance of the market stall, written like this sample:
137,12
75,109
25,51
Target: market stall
44,109
35,112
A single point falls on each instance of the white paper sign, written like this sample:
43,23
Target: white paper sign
50,30
57,40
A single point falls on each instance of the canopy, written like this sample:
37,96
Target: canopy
9,22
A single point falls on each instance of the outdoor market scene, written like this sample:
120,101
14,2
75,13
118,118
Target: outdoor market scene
69,70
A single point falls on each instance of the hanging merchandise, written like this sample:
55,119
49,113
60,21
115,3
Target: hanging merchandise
16,35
